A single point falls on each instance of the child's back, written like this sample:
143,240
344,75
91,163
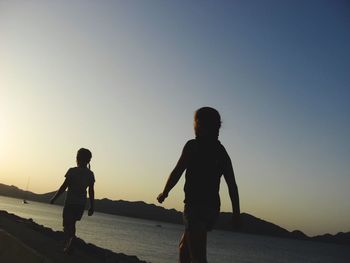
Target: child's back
78,180
207,160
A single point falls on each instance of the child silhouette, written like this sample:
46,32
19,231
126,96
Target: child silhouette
78,179
205,161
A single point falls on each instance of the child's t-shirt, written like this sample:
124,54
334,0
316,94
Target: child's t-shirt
79,179
207,161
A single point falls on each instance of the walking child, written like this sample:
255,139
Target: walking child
205,161
77,180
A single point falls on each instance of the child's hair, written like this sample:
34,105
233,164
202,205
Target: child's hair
207,123
83,157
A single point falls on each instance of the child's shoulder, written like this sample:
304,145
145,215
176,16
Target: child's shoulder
190,144
72,169
77,169
221,146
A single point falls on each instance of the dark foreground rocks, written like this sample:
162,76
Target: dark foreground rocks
48,243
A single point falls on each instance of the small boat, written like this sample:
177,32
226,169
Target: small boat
26,193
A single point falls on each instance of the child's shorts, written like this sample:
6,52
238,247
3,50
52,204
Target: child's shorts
200,217
72,213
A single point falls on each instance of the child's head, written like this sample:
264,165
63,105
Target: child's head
83,157
207,123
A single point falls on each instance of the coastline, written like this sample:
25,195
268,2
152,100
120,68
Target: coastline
250,224
46,244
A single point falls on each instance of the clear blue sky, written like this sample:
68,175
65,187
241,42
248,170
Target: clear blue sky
123,78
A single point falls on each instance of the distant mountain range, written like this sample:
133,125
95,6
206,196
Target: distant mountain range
249,223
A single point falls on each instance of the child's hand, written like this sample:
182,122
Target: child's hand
161,197
91,211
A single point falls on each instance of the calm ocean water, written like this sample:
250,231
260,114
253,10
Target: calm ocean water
159,244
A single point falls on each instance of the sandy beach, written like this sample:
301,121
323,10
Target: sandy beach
22,240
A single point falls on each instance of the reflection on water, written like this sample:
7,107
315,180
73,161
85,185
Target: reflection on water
159,244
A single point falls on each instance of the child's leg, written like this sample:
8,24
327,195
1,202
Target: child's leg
184,252
197,240
69,230
73,228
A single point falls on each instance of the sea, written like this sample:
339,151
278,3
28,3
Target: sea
157,242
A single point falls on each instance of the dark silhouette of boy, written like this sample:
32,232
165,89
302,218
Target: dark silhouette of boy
205,161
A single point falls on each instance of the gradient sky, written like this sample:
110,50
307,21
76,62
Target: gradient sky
123,78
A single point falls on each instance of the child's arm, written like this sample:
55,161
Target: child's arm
232,188
175,175
60,191
92,199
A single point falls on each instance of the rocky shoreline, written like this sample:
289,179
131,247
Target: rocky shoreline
48,243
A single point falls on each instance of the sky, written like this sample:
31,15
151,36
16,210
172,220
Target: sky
123,78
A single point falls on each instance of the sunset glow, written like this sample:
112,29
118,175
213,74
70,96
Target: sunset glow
124,79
